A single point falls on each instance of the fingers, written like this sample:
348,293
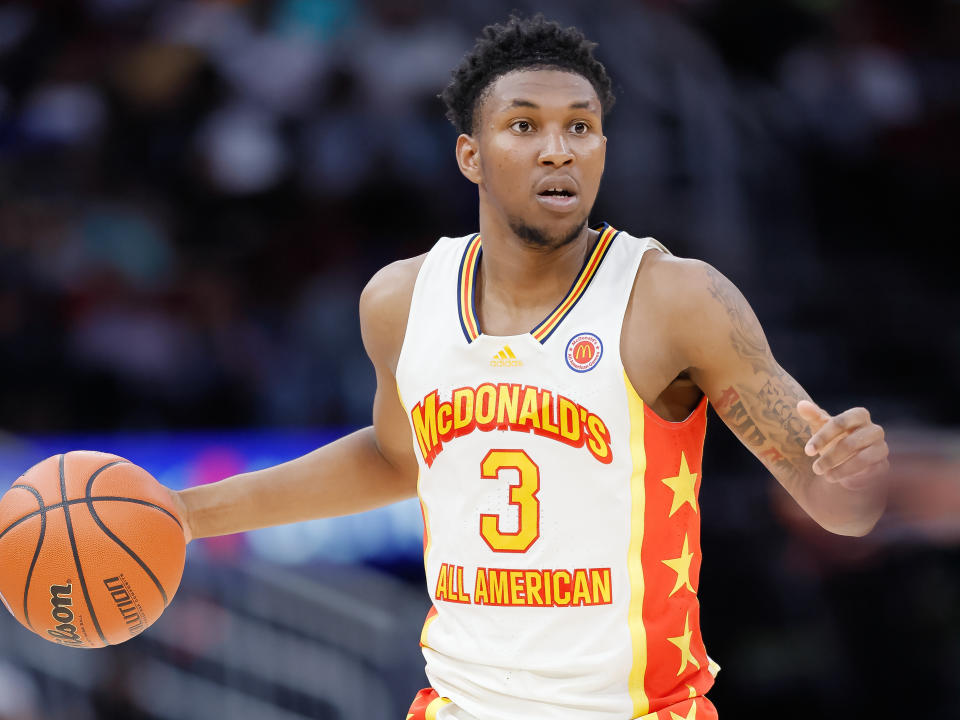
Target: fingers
865,477
852,449
815,416
872,458
846,447
835,428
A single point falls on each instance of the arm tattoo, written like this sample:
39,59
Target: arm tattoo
767,422
746,336
763,415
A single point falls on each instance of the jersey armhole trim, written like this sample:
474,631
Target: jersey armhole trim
700,409
418,290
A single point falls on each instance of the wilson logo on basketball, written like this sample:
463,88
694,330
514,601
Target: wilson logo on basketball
126,603
66,632
584,352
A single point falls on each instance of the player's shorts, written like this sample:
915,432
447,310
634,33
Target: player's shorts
428,705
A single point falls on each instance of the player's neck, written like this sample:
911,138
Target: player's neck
518,284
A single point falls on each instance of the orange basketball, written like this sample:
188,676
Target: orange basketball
91,550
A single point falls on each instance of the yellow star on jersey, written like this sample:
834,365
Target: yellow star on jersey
692,715
683,642
683,486
681,566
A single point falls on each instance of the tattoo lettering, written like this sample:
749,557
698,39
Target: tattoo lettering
740,421
779,406
726,399
772,454
766,418
779,463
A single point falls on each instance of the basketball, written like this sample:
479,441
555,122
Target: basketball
91,549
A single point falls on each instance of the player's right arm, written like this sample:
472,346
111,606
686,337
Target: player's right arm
833,466
369,468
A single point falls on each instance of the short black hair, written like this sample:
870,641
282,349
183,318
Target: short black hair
520,43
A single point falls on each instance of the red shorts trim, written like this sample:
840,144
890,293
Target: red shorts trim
427,702
425,705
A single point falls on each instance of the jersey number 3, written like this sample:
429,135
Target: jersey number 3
524,496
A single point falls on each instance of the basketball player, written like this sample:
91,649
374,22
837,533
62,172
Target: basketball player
542,385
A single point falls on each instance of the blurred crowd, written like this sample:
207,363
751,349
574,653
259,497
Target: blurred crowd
193,194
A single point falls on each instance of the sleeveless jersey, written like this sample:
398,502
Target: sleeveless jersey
561,524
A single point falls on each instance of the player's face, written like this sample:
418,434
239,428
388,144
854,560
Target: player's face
539,153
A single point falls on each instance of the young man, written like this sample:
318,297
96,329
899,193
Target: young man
543,385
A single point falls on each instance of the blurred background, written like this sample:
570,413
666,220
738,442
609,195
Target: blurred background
193,194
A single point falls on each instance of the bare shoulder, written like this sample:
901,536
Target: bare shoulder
701,311
675,288
384,307
690,305
391,285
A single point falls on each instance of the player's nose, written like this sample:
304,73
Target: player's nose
555,150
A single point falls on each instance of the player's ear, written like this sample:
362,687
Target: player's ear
468,157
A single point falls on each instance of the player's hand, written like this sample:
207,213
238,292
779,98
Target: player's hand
181,508
851,446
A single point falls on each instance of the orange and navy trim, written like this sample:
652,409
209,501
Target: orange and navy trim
545,329
467,283
466,286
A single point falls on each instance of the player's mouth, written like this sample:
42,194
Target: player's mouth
559,196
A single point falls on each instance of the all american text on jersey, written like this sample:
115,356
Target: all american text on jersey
507,406
504,587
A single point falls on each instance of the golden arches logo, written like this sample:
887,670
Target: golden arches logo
583,352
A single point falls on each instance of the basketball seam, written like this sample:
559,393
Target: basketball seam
76,553
36,554
81,501
118,541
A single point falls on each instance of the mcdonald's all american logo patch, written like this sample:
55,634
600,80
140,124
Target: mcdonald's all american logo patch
583,352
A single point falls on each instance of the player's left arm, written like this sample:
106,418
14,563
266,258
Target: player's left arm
833,466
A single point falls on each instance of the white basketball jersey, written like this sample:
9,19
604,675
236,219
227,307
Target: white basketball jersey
562,536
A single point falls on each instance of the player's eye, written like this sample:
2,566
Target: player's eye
580,128
522,126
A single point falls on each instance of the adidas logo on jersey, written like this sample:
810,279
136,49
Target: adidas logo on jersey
505,358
